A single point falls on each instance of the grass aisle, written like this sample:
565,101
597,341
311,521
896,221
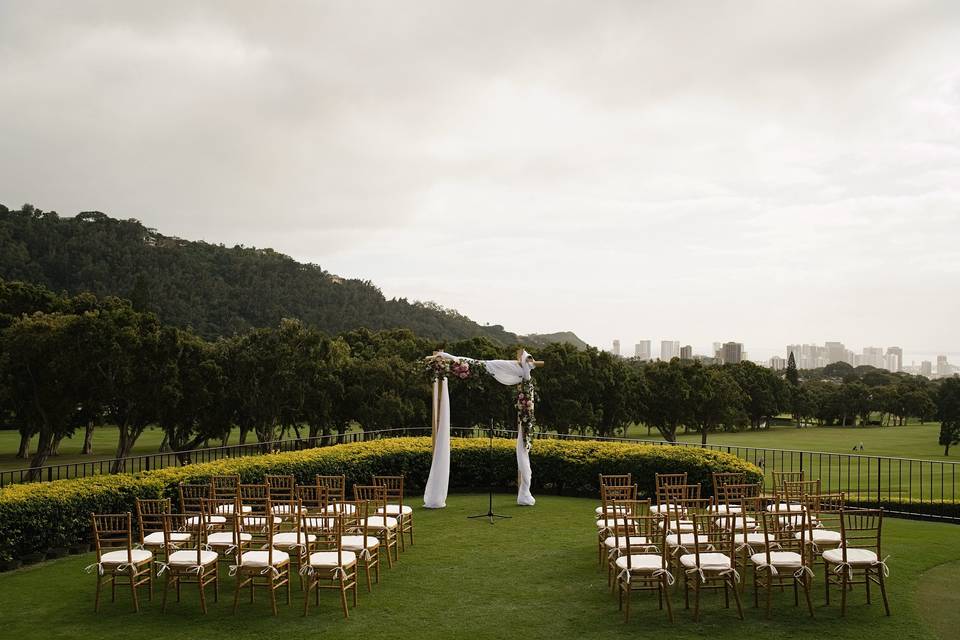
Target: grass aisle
530,577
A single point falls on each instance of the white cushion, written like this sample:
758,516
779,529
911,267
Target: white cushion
379,522
820,536
340,507
188,557
682,540
750,538
599,511
355,543
394,509
708,561
290,538
854,556
328,559
737,522
120,556
609,523
258,521
635,541
789,559
724,509
641,562
193,521
785,506
660,508
262,559
226,539
228,508
684,526
156,538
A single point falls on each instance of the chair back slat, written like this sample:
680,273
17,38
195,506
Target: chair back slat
336,486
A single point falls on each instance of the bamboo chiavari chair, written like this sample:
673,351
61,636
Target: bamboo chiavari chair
709,562
231,541
793,492
395,507
297,541
748,539
779,477
198,565
624,528
643,564
332,567
721,480
823,525
859,552
225,488
337,489
611,480
678,523
357,539
267,568
117,559
282,491
610,494
255,515
191,502
783,558
384,527
150,525
663,480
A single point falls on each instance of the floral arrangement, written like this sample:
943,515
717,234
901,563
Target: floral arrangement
526,396
441,368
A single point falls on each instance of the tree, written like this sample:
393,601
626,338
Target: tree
765,394
668,394
716,400
792,376
948,412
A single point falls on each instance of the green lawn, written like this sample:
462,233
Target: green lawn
534,576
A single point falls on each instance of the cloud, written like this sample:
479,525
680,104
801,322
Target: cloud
767,171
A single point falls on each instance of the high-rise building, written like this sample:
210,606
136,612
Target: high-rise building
943,367
894,359
616,347
642,350
779,364
836,352
873,356
669,349
732,352
926,368
686,352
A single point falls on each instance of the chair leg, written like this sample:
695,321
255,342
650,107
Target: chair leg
696,601
769,579
306,595
843,593
883,590
343,600
665,590
807,583
736,599
866,580
826,581
629,591
133,589
166,588
96,599
273,595
203,596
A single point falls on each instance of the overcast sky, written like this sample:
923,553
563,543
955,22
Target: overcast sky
767,172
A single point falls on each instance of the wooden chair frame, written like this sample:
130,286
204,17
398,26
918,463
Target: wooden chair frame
114,532
202,572
376,497
646,528
609,494
342,578
275,575
394,486
780,536
712,533
859,529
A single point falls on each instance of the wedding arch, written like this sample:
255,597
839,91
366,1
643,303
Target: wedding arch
515,373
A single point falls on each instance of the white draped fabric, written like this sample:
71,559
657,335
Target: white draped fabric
506,372
435,495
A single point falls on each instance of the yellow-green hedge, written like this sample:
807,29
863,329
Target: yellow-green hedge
56,515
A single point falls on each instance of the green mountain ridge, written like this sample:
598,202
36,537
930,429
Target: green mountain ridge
215,289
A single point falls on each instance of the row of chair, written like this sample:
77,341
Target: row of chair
263,532
715,543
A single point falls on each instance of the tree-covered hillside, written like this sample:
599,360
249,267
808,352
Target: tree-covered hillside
217,290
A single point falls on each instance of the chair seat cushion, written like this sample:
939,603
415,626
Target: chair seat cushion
641,562
820,536
226,539
340,507
262,558
854,556
258,521
193,521
724,509
684,539
292,538
120,556
188,558
356,543
620,542
741,522
328,559
394,509
659,508
228,509
610,523
750,538
785,507
156,538
380,522
789,559
681,526
708,561
610,510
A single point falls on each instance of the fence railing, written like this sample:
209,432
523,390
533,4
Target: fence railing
904,486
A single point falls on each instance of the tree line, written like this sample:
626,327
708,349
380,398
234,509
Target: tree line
68,363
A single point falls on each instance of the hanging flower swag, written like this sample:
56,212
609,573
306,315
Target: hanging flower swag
526,396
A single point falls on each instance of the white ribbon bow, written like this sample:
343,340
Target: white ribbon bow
883,565
120,568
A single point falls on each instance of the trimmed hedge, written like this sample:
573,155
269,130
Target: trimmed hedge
56,515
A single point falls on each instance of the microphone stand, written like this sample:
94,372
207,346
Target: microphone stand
490,515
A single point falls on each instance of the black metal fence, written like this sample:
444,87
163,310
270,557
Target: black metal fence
905,486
